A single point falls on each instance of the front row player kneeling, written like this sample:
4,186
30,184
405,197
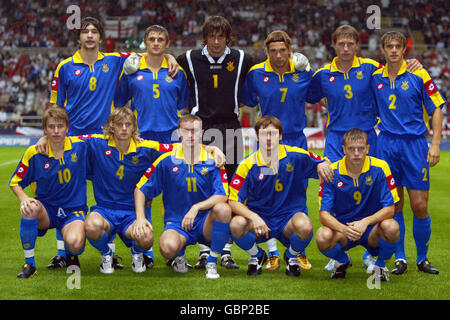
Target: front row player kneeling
357,208
269,199
194,196
59,182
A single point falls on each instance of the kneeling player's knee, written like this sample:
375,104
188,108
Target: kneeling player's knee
75,242
390,230
94,227
237,226
222,212
303,227
324,237
168,248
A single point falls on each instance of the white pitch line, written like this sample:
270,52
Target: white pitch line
9,162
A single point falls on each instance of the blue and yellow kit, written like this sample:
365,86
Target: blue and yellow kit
282,96
155,97
269,192
115,174
87,91
350,104
56,182
349,199
181,184
404,105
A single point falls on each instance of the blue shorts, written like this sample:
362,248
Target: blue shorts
277,225
195,234
119,221
363,241
407,159
59,217
333,144
161,136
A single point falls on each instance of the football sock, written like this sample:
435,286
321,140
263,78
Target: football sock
422,234
60,244
28,235
136,249
219,236
385,251
149,253
227,246
297,245
203,249
336,253
400,244
101,244
272,247
247,243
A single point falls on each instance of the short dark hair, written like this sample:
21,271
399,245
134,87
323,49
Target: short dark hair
345,31
216,24
266,121
393,35
95,22
156,28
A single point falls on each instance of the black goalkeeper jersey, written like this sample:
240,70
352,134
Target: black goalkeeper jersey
215,84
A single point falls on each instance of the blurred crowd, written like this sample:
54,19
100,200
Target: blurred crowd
25,75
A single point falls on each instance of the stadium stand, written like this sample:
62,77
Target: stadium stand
34,37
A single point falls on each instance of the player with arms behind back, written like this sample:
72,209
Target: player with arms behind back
405,101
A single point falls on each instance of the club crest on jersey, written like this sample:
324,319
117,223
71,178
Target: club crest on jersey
359,75
204,171
78,72
289,167
405,85
230,66
295,77
369,181
168,79
74,157
332,78
135,160
105,68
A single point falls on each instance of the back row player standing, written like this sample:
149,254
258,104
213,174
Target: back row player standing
84,85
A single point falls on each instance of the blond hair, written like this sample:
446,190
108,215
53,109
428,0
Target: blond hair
118,115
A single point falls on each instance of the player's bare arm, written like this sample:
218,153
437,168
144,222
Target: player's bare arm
257,224
188,220
434,153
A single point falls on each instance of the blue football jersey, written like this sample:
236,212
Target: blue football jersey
349,199
57,182
350,104
87,91
155,97
115,174
270,192
404,105
181,184
282,96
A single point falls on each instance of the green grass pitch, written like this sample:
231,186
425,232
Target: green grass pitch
162,283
